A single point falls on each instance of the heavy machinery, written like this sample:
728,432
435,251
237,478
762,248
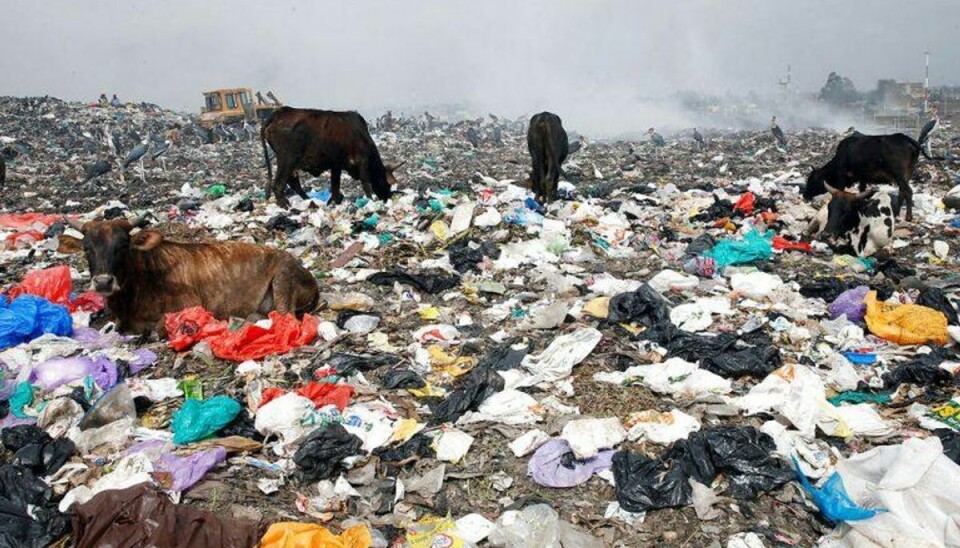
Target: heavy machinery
228,106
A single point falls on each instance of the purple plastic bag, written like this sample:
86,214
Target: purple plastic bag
91,339
59,371
186,471
850,302
546,467
145,358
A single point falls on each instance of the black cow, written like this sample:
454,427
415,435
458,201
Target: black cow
317,140
867,159
547,142
3,170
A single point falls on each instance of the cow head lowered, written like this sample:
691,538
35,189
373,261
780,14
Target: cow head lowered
816,184
106,244
844,212
384,192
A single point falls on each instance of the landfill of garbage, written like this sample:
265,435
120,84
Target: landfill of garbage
658,357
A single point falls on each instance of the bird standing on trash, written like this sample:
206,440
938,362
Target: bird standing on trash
697,138
473,136
778,133
159,151
656,138
136,155
928,130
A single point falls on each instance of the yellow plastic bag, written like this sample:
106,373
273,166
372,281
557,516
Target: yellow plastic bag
290,534
905,323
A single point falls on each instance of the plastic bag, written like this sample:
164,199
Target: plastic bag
832,499
745,203
54,284
25,221
555,465
30,518
401,378
59,371
428,282
475,387
644,306
757,362
782,244
145,516
296,535
753,247
905,324
327,393
924,370
936,299
115,405
320,454
850,303
28,316
197,420
744,455
185,472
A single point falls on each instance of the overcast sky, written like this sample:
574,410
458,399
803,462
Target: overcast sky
510,57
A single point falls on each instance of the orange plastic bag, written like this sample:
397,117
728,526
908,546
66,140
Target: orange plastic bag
905,323
190,326
745,203
310,535
325,393
53,284
782,244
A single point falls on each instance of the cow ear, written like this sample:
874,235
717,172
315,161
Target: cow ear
145,240
67,244
865,195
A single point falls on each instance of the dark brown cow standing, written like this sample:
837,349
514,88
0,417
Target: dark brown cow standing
317,140
548,146
145,277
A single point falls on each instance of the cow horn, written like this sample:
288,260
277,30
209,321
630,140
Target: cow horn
394,167
865,194
139,221
830,189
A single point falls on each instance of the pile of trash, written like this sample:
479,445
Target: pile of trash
658,357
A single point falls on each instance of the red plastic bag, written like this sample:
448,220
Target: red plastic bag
745,203
190,326
270,394
326,393
88,301
23,240
53,284
250,342
27,221
782,244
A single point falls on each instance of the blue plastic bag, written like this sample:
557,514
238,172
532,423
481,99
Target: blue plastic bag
28,317
197,419
753,247
833,500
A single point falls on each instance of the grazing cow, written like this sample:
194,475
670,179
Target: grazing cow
548,146
317,140
144,277
861,224
876,158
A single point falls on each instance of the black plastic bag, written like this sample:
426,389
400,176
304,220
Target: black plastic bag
894,271
465,258
756,361
28,515
476,386
644,306
827,289
743,454
719,209
700,244
345,364
401,378
951,443
245,205
430,283
45,459
320,454
420,445
924,370
17,437
503,358
936,299
243,426
283,223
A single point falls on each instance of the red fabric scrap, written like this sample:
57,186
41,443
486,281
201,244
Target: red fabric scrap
782,244
250,342
326,393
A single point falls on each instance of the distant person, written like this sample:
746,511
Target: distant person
656,138
103,101
928,129
778,133
115,102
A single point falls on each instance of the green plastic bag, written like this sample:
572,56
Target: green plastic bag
753,247
216,190
197,419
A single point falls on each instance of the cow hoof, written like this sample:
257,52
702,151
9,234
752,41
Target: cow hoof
335,200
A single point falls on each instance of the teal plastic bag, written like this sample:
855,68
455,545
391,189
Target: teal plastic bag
198,420
753,247
22,396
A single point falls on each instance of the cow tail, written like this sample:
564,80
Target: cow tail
552,171
263,143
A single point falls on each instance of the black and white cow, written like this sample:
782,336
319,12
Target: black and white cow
861,224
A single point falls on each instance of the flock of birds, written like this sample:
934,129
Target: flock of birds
148,147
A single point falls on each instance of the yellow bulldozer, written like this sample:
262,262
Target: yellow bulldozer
228,106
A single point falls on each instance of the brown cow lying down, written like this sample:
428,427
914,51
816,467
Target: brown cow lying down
144,277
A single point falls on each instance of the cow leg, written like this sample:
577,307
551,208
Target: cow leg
336,197
364,176
297,187
906,195
284,174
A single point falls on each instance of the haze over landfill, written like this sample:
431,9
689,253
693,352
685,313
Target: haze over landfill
597,62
